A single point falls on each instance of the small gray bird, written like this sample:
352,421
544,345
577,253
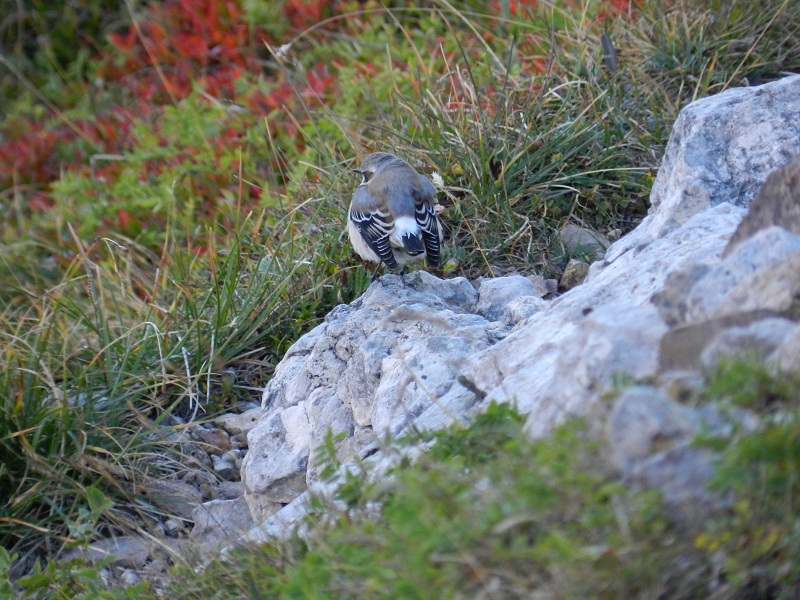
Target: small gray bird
391,218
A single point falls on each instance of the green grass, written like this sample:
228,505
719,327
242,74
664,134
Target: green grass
190,243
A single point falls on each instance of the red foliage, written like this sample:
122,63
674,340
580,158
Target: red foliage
124,219
531,54
35,155
27,156
280,95
320,86
515,7
320,82
304,13
181,42
178,44
614,8
175,45
624,6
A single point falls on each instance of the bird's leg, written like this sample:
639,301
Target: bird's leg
403,275
374,277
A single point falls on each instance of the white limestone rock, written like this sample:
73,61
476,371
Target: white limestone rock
643,420
561,360
372,367
577,239
496,293
652,445
721,149
519,309
574,274
763,273
757,341
787,357
220,522
238,424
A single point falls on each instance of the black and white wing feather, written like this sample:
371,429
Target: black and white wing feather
375,227
428,222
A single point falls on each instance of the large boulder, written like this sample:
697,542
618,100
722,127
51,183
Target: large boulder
560,361
721,149
370,368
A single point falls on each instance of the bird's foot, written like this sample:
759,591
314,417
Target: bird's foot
375,277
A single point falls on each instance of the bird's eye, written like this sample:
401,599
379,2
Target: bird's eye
365,175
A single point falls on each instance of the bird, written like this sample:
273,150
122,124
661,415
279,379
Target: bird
391,219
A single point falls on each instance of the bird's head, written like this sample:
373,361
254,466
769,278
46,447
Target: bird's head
374,163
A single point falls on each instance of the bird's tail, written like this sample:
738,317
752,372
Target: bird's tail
413,244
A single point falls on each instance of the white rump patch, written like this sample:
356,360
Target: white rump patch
403,225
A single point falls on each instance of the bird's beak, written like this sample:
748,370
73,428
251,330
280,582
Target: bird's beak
359,171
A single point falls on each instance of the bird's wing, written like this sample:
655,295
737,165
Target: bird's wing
374,225
428,221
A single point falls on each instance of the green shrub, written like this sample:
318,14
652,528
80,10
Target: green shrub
525,517
757,540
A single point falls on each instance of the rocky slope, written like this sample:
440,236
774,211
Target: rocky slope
663,303
696,281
